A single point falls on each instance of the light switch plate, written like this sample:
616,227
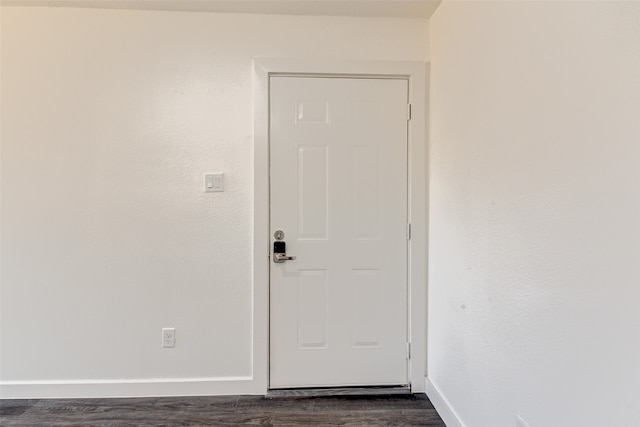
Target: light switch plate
213,182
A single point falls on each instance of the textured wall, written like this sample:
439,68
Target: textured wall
535,212
109,120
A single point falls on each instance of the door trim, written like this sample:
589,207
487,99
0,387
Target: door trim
416,73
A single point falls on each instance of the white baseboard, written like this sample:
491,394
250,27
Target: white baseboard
127,388
442,406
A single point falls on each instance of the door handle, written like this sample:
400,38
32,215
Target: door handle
280,252
278,257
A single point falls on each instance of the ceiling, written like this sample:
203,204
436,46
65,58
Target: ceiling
371,8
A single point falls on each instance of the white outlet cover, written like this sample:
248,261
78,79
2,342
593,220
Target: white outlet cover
168,337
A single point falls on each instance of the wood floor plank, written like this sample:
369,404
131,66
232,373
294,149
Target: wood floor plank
346,410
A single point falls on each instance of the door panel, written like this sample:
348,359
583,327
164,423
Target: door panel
338,152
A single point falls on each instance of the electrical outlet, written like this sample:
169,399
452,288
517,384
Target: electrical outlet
168,337
520,422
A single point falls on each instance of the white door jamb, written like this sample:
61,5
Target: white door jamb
416,72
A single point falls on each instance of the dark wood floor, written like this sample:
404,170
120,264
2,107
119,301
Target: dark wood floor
386,410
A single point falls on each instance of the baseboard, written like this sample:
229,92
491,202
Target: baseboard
127,388
442,406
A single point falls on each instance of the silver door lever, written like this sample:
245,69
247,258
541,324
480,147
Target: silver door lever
279,257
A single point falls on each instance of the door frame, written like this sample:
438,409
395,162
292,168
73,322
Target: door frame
416,74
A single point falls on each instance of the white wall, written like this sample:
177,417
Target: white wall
535,212
109,120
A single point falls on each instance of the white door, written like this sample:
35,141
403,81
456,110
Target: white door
338,165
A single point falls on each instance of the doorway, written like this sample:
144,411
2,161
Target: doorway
415,75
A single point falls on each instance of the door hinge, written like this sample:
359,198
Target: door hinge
408,231
408,111
408,350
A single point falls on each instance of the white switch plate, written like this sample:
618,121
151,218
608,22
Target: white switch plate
213,182
168,337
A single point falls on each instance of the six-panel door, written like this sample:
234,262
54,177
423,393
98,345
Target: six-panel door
338,191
